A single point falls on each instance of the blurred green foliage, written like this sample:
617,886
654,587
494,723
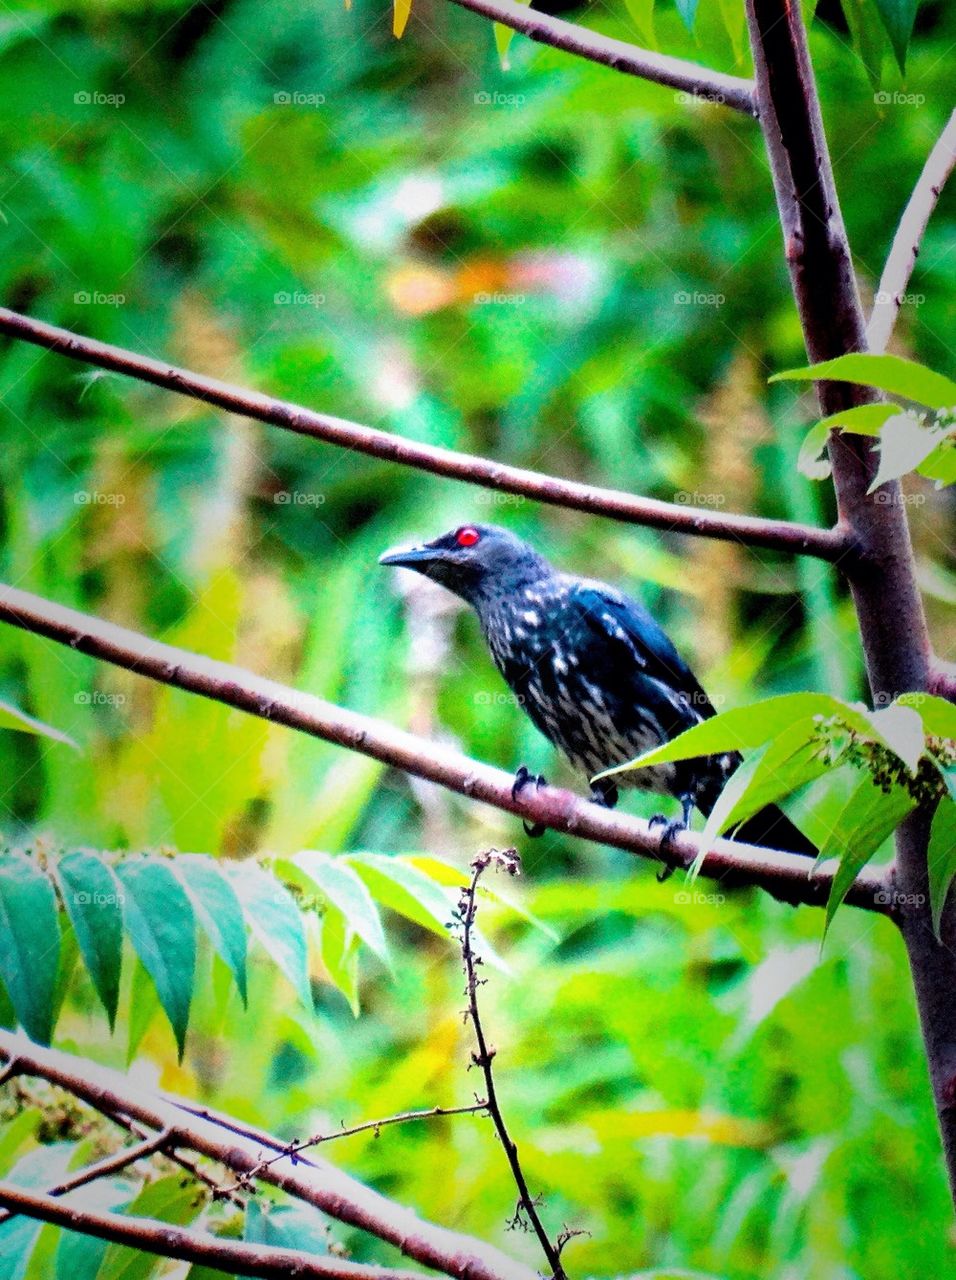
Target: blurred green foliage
566,269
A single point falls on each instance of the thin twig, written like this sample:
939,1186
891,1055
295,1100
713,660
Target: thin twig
909,235
781,535
199,1247
698,83
106,1167
784,875
506,860
293,1149
191,1167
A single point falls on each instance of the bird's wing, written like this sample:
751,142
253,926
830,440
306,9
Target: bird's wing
609,611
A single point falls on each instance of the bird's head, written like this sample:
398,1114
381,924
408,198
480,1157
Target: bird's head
476,561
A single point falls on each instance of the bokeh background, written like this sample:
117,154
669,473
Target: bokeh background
563,268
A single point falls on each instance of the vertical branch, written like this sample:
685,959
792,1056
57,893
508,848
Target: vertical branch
467,907
889,609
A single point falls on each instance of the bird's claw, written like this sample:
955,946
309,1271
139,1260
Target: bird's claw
672,827
604,793
523,778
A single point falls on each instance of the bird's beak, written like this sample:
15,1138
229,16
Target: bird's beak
413,557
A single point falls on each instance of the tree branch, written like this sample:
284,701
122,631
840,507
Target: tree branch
192,1246
467,909
909,234
314,1181
886,597
697,82
780,535
784,875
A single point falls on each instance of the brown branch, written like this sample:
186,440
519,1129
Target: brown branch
909,235
296,1148
467,909
106,1167
886,597
314,1181
780,535
697,82
784,875
192,1246
191,1167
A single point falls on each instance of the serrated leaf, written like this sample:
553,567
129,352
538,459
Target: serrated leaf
29,943
275,921
218,910
904,445
898,17
42,1167
941,857
12,717
338,882
92,897
339,949
401,11
892,374
868,817
162,926
289,1226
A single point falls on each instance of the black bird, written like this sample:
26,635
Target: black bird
593,670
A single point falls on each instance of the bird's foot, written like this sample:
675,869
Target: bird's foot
672,827
524,778
604,792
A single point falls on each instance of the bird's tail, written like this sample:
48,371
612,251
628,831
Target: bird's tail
773,828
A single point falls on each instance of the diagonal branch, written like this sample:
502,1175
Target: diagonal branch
311,1180
780,535
198,1247
784,875
909,234
696,82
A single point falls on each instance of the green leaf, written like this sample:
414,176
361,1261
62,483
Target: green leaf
688,12
892,374
868,817
12,717
503,38
41,1167
29,943
941,857
937,714
642,15
289,1226
338,882
941,463
900,727
868,38
862,419
339,947
406,889
904,445
898,18
275,921
93,898
162,925
79,1257
165,1200
143,1008
732,795
218,910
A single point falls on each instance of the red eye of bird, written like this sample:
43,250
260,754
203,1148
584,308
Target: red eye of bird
467,536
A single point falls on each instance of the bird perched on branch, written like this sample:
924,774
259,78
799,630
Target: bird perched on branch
592,669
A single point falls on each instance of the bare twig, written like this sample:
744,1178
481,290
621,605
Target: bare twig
312,1180
506,860
106,1167
886,597
191,1167
294,1149
781,535
192,1246
699,83
909,235
784,875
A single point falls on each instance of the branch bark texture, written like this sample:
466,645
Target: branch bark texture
780,535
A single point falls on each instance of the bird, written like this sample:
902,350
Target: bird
597,675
